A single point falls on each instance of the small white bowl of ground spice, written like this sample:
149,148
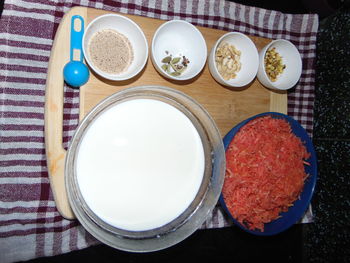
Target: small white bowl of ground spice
179,51
280,65
115,47
234,60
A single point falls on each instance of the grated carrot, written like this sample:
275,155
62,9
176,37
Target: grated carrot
265,171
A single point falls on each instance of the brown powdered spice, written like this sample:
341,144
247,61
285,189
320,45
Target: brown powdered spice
110,51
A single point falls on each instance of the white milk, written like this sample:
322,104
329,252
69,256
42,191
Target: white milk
140,164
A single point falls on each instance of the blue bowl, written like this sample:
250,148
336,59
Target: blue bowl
295,212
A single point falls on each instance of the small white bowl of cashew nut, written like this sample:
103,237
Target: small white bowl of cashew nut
234,60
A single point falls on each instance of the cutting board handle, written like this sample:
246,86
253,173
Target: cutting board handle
55,153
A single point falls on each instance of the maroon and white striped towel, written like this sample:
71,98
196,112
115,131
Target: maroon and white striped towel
30,225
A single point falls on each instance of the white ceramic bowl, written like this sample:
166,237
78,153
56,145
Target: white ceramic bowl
128,28
290,57
178,37
249,60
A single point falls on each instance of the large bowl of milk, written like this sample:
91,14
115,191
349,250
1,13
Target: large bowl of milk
145,168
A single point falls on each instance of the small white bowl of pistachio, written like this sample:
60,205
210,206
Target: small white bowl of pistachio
234,60
178,51
280,65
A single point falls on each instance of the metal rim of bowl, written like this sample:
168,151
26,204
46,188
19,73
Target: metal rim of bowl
189,221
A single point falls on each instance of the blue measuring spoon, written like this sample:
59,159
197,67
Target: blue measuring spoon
75,72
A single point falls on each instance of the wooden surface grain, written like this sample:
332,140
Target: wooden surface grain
227,106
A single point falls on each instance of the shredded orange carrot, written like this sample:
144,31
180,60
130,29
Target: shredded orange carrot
265,171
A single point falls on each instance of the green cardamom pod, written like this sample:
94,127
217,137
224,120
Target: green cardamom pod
175,74
166,59
165,67
175,60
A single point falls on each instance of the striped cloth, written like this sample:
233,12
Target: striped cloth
30,225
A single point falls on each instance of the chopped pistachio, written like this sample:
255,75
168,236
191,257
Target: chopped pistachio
273,64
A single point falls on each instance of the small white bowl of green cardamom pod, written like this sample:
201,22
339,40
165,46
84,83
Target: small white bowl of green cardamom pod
178,51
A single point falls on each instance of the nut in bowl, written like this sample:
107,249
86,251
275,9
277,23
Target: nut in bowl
179,51
115,47
233,60
280,65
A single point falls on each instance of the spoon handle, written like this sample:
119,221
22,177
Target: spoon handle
76,36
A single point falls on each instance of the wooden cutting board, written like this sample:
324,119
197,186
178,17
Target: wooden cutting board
227,106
